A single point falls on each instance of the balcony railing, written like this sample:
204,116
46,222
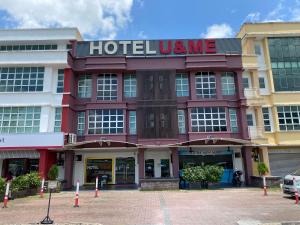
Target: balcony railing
256,132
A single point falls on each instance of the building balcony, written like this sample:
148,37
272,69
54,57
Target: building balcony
250,61
256,132
253,97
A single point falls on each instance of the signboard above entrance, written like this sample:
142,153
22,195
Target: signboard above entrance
150,48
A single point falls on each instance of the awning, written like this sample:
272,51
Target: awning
102,143
30,154
212,142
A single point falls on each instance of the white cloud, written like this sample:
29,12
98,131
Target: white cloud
252,17
142,35
94,18
218,31
277,14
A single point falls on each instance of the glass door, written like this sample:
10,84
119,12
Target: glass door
125,170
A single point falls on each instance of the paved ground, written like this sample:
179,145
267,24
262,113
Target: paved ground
221,207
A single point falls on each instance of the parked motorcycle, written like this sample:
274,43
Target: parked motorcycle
237,178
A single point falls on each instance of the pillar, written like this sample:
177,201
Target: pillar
175,162
264,156
4,168
69,165
47,159
247,160
141,162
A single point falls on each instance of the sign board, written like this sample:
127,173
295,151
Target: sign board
205,152
31,140
150,48
52,184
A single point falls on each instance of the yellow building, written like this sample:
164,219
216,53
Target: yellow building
271,78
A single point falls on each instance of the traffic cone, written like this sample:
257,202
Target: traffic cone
297,197
42,188
5,201
77,195
265,186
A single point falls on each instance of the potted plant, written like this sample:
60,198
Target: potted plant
52,177
194,175
213,175
2,188
262,168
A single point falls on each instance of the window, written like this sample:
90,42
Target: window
60,81
132,122
285,62
262,82
250,120
233,120
208,119
20,119
245,82
107,87
205,85
266,118
228,86
257,49
165,167
129,86
289,117
181,121
85,86
100,168
105,121
21,79
8,48
149,168
80,123
57,120
182,85
69,46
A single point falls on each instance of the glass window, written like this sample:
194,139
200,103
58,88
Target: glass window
85,86
262,82
250,120
80,123
105,121
57,121
182,85
129,85
107,87
208,119
6,48
227,81
257,49
285,61
149,168
21,79
205,85
181,121
245,82
20,119
132,122
165,167
60,81
98,167
266,118
233,120
289,117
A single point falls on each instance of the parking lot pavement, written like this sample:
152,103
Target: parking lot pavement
210,207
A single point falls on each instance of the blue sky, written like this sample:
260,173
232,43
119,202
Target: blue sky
146,19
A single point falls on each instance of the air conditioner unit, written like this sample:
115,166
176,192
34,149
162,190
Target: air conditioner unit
72,138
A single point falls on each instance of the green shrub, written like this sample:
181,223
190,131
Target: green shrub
20,183
262,168
33,179
2,185
53,172
213,173
193,174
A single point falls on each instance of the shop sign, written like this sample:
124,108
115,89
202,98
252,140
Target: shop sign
204,152
31,140
149,48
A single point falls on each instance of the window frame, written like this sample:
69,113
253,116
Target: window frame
182,85
201,85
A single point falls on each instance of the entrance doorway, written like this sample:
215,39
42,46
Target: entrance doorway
125,170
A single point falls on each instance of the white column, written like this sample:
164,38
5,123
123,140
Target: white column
46,112
48,79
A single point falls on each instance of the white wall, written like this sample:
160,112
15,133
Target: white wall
157,155
79,167
238,163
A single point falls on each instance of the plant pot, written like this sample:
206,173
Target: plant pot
195,185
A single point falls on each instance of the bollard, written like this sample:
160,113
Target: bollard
6,195
96,191
42,188
77,195
265,186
